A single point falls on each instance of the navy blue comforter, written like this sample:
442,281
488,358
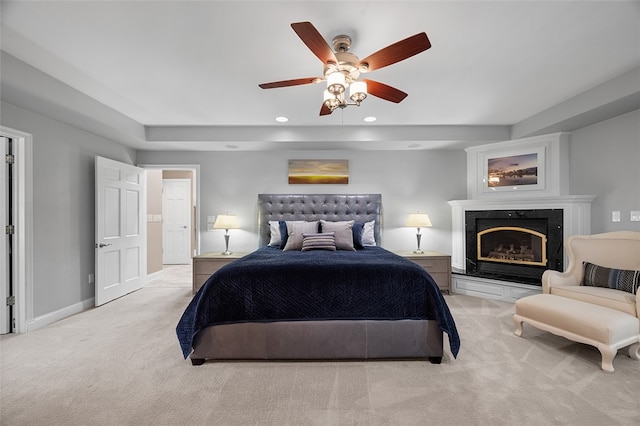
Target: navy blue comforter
274,285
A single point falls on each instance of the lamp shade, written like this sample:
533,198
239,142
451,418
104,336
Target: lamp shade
336,83
226,221
418,220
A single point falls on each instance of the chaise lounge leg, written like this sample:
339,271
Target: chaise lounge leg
517,321
607,358
435,359
634,351
197,361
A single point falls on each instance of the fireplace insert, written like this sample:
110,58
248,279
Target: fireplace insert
514,245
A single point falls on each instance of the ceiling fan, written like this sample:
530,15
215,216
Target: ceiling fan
342,68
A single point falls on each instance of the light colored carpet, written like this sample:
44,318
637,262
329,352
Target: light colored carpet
121,364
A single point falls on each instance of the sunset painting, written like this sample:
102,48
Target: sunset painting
318,171
514,170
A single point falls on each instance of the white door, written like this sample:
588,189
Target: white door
5,320
176,221
121,211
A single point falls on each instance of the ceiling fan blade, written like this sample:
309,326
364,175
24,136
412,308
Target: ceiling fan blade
397,52
286,83
325,110
384,91
314,41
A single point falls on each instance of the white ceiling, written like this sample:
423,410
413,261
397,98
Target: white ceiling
199,63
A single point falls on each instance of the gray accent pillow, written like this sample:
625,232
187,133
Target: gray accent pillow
343,232
296,231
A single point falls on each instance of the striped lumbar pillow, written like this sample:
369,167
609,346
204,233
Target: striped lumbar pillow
325,241
619,279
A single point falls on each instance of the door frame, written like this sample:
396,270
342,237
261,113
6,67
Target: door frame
6,216
23,219
195,168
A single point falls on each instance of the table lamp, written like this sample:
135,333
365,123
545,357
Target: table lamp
418,220
226,222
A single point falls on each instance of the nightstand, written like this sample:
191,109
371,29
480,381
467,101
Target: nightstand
206,264
437,264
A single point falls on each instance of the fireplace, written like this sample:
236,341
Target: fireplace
571,215
514,245
504,237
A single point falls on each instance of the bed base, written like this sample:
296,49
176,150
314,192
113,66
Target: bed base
316,340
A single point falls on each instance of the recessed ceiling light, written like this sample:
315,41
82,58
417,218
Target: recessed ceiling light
282,119
370,119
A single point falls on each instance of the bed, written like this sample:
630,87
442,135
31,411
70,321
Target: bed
290,302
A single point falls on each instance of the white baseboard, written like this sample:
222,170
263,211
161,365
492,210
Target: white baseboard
50,318
155,276
491,289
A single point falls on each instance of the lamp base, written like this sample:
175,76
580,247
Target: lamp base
418,236
226,251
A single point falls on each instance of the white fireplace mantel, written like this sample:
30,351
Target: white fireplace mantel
549,191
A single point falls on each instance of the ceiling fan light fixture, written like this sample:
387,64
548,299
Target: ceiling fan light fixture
342,68
336,83
358,91
332,101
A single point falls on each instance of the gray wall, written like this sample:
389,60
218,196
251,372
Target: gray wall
605,161
408,181
63,206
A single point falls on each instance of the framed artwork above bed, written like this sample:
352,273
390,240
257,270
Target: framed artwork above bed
318,172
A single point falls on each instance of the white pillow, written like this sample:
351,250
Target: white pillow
368,236
274,228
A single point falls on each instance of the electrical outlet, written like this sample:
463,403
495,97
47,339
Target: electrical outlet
615,216
635,216
92,278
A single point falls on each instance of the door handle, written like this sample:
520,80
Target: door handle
185,227
102,245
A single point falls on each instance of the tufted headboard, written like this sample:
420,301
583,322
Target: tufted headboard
333,207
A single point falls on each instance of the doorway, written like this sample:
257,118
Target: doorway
16,254
156,173
6,217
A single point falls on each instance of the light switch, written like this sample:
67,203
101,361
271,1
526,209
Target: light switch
615,216
211,219
635,216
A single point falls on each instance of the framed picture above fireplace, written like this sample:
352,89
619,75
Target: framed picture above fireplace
514,170
520,168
